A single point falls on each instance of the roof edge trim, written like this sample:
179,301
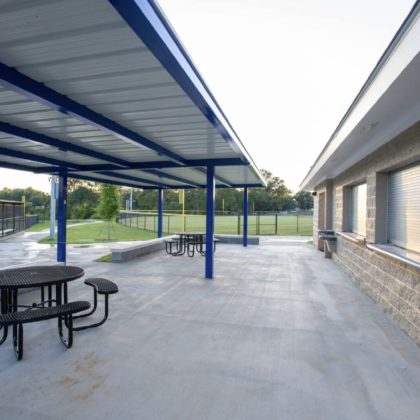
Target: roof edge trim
397,38
149,23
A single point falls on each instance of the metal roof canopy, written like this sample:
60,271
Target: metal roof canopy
104,91
387,104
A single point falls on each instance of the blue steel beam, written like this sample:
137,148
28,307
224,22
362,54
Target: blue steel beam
136,179
62,219
154,165
62,145
243,186
14,80
160,212
245,233
111,181
173,177
211,194
218,178
216,162
17,167
37,158
147,21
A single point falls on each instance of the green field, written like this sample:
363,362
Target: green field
97,232
143,227
45,224
287,225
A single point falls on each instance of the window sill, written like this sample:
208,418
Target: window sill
403,255
353,237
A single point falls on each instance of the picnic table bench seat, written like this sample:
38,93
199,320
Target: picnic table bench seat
172,242
100,286
18,318
43,314
193,246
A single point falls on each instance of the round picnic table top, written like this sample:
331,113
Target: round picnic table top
190,233
37,276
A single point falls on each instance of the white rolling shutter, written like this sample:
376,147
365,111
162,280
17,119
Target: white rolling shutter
358,209
404,208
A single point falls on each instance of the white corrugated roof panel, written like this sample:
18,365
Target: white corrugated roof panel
86,51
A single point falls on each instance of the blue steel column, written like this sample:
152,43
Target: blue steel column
160,212
211,191
62,219
245,237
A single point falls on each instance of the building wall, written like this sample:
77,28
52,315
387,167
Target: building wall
391,284
394,285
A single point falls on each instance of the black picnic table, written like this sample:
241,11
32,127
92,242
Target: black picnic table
11,280
189,242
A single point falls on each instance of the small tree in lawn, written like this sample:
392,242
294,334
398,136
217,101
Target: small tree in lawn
108,204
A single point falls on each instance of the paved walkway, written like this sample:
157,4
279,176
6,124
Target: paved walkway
23,249
280,333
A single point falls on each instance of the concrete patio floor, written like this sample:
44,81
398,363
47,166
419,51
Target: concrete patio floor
280,333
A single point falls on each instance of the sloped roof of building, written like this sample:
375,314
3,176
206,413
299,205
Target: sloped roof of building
387,104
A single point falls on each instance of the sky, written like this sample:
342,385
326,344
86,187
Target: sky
284,72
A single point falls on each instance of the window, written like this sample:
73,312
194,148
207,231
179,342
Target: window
358,209
404,208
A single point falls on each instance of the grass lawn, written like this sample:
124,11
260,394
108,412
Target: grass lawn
144,227
39,226
287,225
45,224
105,258
98,232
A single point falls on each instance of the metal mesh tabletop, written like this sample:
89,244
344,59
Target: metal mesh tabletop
38,276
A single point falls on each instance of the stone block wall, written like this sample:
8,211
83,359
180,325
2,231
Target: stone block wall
395,286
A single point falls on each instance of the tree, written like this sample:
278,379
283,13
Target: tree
108,204
37,202
83,198
275,197
304,200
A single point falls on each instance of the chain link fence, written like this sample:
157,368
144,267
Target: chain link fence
12,217
259,223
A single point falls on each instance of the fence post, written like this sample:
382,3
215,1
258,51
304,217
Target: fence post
276,224
297,222
13,217
239,223
2,219
169,230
